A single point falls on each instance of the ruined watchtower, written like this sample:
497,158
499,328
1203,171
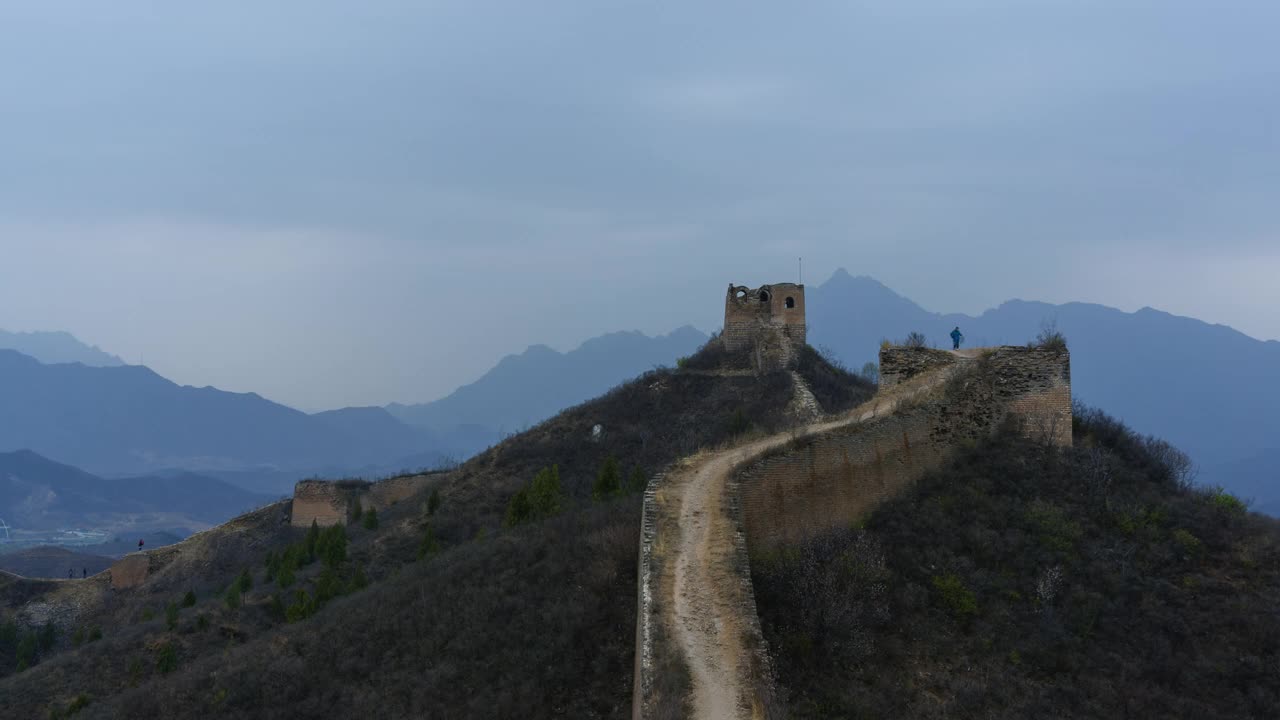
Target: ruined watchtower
748,311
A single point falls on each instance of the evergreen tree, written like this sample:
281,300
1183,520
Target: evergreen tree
429,545
518,510
313,536
544,492
608,480
638,480
189,600
371,519
171,615
433,502
357,510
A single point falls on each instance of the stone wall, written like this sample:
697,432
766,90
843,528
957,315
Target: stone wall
321,502
329,503
130,570
747,310
832,479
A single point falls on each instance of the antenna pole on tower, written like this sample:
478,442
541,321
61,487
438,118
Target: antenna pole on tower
800,269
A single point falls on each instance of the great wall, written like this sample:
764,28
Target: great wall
705,517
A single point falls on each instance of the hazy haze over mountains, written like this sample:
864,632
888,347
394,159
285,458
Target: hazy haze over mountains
394,194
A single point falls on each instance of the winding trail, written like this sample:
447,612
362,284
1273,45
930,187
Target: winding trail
707,596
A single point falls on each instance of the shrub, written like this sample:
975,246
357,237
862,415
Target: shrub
738,423
244,583
371,519
1190,545
1226,502
429,545
357,510
166,658
77,637
171,615
148,614
608,481
232,597
1050,338
48,636
915,340
433,502
189,600
954,596
25,655
95,634
202,622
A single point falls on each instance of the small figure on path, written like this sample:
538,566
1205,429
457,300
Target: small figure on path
70,573
956,337
140,543
84,573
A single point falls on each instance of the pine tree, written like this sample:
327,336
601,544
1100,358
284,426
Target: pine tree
371,519
608,480
357,510
638,480
433,502
518,510
544,493
189,600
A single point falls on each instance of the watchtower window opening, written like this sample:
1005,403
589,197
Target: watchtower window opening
791,303
741,294
764,296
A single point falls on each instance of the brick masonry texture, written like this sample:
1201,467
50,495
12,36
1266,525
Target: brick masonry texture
833,479
329,503
747,310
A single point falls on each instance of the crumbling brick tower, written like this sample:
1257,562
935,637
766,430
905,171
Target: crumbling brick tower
748,312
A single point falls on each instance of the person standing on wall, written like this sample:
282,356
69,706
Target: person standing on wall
956,337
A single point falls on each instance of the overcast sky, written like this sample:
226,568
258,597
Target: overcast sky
354,203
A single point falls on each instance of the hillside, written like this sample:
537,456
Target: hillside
52,562
535,620
1227,391
1023,581
57,347
39,494
1019,579
525,389
129,420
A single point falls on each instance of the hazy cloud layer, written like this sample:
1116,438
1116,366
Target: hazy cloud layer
336,203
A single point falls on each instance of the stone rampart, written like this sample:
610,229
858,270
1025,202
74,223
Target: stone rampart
832,479
329,503
834,473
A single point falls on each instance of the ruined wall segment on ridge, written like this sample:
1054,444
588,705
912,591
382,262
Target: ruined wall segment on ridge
330,502
834,478
779,306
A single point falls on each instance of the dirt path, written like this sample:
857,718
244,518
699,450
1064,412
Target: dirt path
707,596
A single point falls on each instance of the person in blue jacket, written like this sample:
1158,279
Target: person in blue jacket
956,337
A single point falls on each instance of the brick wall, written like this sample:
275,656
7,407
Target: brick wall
835,478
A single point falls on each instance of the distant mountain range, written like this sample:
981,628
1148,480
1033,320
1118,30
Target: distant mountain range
56,347
1208,389
524,389
129,420
39,494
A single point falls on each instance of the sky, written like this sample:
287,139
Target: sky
356,203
